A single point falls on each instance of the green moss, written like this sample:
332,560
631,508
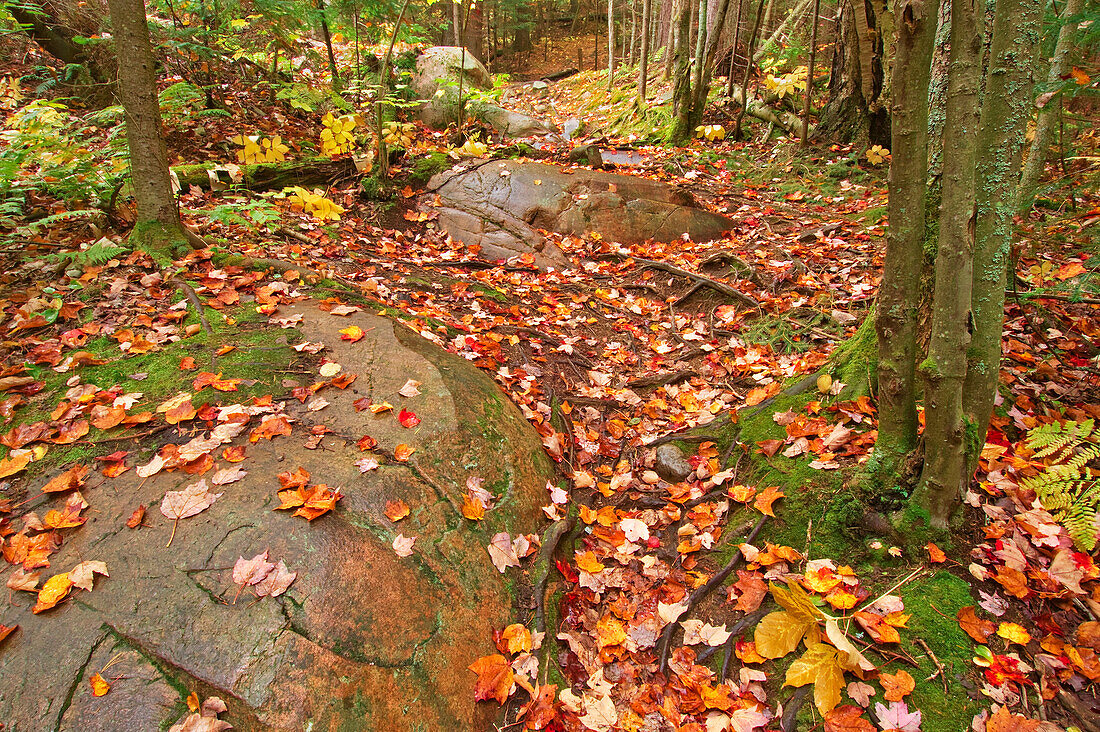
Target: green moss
933,603
423,168
261,354
160,241
855,361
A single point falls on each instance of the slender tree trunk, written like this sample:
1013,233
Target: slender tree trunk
610,45
681,81
158,229
943,478
700,44
643,62
336,84
1005,111
673,42
1048,115
899,293
810,77
733,49
789,21
748,69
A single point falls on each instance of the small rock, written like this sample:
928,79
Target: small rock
586,155
540,87
571,127
671,464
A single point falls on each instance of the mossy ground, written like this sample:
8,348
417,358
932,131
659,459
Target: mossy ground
819,515
261,357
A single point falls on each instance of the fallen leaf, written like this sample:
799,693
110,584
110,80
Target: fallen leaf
847,718
276,582
1014,633
352,333
820,666
99,685
935,554
53,592
396,510
136,517
897,686
973,626
403,545
410,389
408,419
495,678
502,552
766,498
82,574
72,478
251,571
403,452
192,500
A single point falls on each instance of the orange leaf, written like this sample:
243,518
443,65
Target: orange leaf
396,510
494,678
897,686
403,452
136,517
765,500
473,508
72,478
352,333
588,562
1014,633
99,685
848,718
935,554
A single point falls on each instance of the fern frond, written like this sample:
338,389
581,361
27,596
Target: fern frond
1068,488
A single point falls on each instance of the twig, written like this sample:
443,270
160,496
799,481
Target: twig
791,709
554,535
939,666
193,298
1083,714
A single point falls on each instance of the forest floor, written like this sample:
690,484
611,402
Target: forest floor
608,359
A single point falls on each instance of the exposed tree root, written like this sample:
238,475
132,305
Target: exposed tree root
195,300
721,287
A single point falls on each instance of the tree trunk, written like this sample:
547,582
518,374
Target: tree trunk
610,45
643,62
899,293
1048,115
855,113
748,69
1005,111
158,229
944,478
522,39
790,20
672,42
333,70
809,75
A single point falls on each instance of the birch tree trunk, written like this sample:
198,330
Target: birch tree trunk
610,45
943,478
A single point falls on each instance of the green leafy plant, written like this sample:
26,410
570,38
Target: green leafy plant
1069,486
101,252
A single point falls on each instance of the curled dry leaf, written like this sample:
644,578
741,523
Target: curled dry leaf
82,574
99,685
136,517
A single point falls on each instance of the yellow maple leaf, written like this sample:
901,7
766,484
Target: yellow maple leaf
820,666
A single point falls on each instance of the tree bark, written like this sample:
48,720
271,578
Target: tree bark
1048,115
899,293
855,112
643,62
610,45
158,229
810,75
1005,112
748,68
793,16
944,478
333,70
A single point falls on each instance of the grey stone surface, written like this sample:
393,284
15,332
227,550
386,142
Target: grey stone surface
363,639
671,464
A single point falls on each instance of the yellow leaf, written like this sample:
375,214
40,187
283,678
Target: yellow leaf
820,666
796,601
52,592
779,633
1014,633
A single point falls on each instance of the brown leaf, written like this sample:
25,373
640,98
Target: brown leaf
192,500
396,510
752,589
973,626
136,517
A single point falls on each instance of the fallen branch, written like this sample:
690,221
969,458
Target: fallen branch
267,176
196,302
713,284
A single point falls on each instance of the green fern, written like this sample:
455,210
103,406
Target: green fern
101,252
1069,487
